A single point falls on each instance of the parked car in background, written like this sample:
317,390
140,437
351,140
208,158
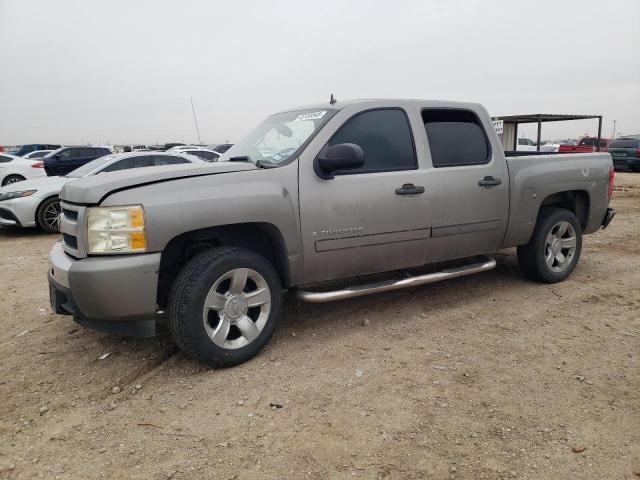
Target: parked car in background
32,147
526,145
16,169
625,153
586,145
203,153
357,188
178,148
67,159
36,203
37,154
223,148
169,146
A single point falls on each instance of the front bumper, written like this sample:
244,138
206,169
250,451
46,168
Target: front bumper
20,212
115,294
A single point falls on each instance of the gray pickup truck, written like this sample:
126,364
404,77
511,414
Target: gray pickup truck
312,197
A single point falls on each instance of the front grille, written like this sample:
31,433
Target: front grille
71,223
70,214
70,240
7,215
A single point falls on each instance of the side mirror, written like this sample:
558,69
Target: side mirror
344,156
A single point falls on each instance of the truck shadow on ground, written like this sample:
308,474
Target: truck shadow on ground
304,321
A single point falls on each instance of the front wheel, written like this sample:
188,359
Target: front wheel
48,215
224,306
554,249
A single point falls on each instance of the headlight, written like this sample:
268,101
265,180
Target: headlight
10,195
116,229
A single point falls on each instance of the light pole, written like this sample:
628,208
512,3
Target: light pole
613,137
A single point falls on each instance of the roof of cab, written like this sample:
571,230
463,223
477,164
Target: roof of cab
376,102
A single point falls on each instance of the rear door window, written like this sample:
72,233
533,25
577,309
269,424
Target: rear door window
456,138
167,160
385,137
127,163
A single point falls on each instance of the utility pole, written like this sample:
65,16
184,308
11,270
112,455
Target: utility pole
613,137
195,120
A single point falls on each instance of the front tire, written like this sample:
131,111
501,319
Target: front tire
554,249
224,306
48,215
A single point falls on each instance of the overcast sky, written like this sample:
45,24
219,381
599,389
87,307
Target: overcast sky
122,71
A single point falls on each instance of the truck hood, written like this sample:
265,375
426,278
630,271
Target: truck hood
92,190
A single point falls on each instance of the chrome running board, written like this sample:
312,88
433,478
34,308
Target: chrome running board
485,264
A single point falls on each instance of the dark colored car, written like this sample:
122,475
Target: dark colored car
626,154
32,147
223,148
67,159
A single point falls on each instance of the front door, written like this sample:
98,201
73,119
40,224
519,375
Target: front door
363,221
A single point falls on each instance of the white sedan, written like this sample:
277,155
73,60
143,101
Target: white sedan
15,169
37,154
36,202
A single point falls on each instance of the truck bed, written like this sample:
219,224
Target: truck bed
533,179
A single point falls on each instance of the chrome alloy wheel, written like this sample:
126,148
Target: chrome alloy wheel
236,308
51,215
560,246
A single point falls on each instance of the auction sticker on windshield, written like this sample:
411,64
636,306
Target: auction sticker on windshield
310,116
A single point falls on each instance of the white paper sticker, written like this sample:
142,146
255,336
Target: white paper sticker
310,116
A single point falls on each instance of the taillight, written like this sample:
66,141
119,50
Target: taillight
638,152
611,176
37,165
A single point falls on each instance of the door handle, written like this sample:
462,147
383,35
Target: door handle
489,182
409,189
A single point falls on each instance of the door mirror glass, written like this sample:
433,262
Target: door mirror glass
343,156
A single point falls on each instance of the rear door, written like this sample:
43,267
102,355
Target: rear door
468,185
64,162
360,222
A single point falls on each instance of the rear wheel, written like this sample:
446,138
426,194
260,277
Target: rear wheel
224,306
48,215
12,179
555,247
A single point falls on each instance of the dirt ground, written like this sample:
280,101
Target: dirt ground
485,377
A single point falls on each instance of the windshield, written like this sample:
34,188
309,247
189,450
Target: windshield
87,168
278,137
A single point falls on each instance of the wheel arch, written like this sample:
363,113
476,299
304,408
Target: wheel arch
260,237
576,201
11,174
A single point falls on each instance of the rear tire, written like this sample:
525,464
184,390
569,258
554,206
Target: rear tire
554,249
224,306
48,215
12,179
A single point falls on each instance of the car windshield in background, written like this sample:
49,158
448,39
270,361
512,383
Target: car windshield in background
89,167
625,143
279,136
